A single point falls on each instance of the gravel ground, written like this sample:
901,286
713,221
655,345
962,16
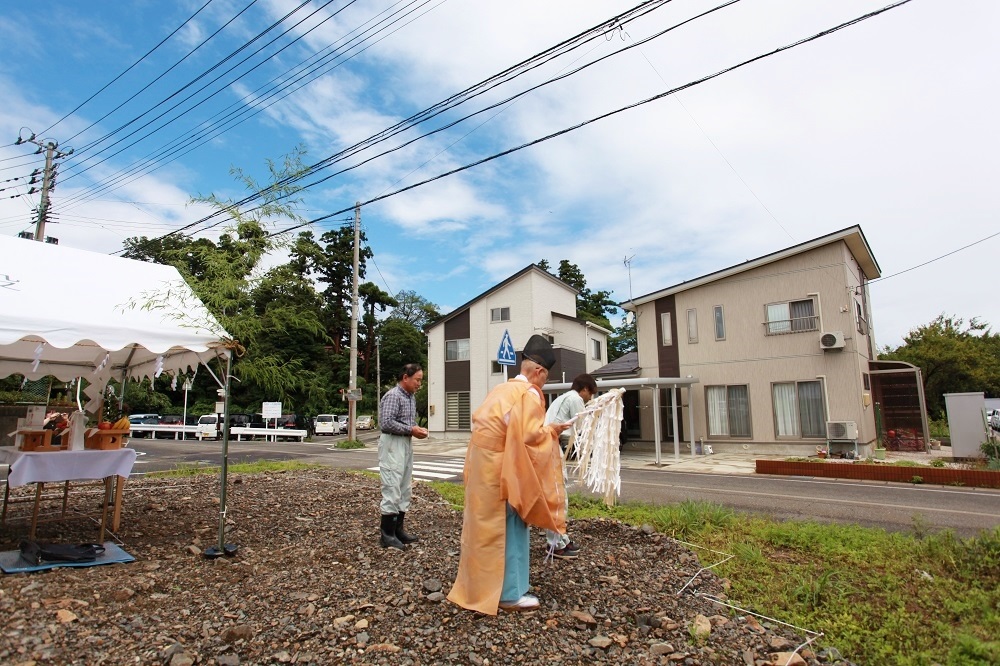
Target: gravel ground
310,585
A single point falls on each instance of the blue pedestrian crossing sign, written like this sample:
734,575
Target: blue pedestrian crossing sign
506,354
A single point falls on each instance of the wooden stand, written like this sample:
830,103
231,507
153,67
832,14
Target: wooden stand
105,439
38,440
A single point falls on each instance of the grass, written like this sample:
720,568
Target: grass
350,444
911,599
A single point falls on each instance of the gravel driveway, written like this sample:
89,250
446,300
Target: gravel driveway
310,585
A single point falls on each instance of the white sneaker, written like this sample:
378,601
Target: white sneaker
527,602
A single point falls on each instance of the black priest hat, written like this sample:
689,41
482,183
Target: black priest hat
539,350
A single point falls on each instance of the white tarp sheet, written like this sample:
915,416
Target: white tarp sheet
72,313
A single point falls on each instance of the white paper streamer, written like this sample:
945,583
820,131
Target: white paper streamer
598,463
104,362
159,366
38,356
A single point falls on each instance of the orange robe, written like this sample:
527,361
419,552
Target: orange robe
513,457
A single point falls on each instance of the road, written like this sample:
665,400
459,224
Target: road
894,507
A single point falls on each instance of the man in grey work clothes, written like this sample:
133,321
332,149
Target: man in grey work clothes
398,421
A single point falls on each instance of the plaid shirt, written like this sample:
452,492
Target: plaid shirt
397,412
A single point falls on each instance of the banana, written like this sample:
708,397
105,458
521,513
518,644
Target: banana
122,424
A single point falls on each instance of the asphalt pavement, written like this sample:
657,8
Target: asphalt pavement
644,457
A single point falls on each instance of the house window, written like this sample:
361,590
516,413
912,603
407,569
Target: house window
457,350
860,316
457,416
496,368
720,324
500,314
665,332
595,350
728,411
692,326
867,380
798,409
791,317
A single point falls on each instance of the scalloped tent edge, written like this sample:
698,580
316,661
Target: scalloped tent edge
73,313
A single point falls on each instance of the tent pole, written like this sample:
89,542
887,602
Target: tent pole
224,548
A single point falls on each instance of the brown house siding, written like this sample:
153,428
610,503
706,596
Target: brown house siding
668,358
457,374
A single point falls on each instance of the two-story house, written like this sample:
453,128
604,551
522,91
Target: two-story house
462,365
780,346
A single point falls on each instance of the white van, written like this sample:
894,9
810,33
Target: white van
326,424
208,426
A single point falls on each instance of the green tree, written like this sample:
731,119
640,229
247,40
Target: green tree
415,309
272,316
594,306
953,358
372,299
624,339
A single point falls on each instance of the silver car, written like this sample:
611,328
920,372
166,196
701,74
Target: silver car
364,423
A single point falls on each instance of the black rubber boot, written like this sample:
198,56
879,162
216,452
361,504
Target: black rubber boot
401,533
388,529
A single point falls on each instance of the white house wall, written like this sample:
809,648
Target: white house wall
532,298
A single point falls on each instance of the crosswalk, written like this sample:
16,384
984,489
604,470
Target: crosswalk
435,469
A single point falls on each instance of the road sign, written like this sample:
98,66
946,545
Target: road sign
270,410
353,394
506,354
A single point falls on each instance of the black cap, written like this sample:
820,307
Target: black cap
539,350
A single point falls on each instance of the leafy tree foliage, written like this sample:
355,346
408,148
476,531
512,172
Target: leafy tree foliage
596,307
623,340
954,357
415,309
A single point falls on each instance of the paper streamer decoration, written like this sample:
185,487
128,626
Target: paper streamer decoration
598,462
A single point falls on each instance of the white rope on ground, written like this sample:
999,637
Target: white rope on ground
811,635
598,459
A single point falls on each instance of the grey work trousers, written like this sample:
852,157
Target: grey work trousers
395,469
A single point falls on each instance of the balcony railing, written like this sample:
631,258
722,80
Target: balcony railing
796,325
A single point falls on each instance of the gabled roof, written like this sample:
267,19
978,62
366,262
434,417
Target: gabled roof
513,278
623,366
580,320
852,236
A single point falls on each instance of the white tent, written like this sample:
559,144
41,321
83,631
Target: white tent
72,313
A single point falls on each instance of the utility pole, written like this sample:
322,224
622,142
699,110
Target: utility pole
52,153
378,377
352,405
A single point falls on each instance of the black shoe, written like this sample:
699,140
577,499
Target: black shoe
401,534
568,552
388,529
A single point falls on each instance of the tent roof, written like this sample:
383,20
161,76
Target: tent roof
98,316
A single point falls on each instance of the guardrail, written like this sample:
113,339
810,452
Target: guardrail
179,431
269,434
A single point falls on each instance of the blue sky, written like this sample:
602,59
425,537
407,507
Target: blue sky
889,124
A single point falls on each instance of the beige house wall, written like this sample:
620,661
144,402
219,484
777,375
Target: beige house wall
829,275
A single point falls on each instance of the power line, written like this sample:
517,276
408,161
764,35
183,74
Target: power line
189,140
453,101
106,85
615,112
938,258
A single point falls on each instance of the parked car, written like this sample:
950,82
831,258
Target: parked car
208,425
342,421
143,419
994,418
327,424
239,420
365,423
169,419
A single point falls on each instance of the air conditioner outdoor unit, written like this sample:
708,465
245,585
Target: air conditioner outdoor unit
831,340
841,430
